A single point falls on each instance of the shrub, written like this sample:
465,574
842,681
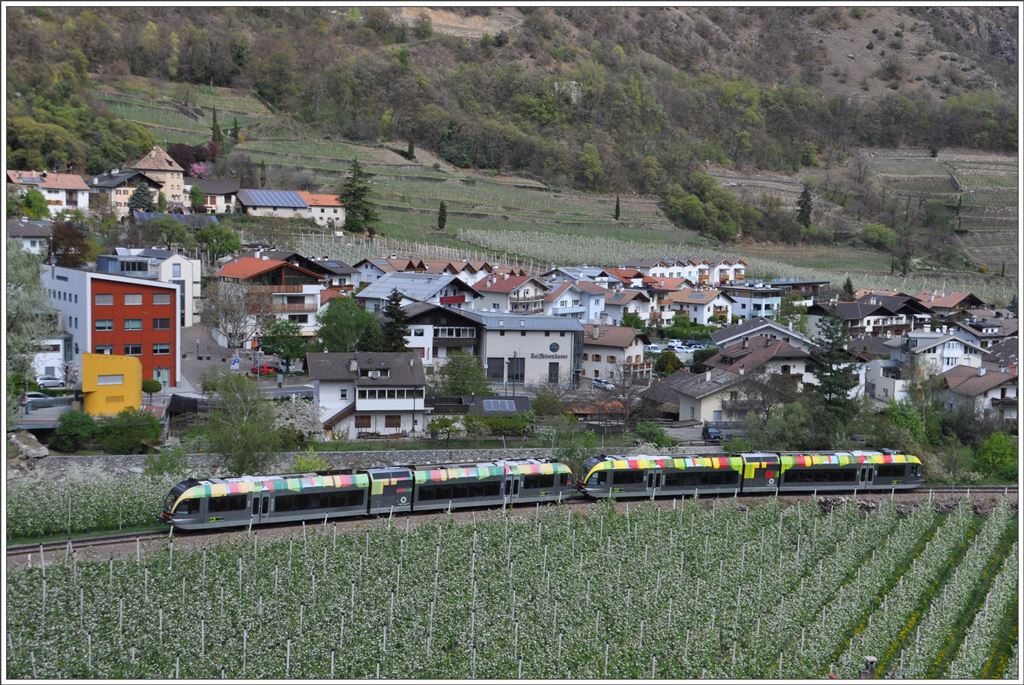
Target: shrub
879,236
668,362
171,462
520,424
310,462
74,430
651,432
547,403
997,457
130,432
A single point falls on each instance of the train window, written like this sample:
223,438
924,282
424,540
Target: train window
231,503
599,478
188,506
891,470
629,477
541,481
564,480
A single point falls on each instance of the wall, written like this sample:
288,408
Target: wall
534,342
107,400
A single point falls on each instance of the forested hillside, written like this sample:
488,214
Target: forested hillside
601,99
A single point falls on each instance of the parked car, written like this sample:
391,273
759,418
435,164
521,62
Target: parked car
711,433
49,382
264,370
36,395
602,384
653,349
675,342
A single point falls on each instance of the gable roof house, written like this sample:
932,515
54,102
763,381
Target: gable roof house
988,394
914,356
984,332
872,315
705,307
34,235
219,194
512,294
618,303
761,327
763,354
285,204
63,192
945,302
611,352
159,165
325,209
440,289
697,397
113,189
1002,355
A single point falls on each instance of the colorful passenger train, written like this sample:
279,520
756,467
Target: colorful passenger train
253,500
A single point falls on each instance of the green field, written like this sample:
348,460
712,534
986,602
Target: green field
679,590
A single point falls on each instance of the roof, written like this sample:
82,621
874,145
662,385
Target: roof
493,284
413,286
575,272
625,275
758,351
157,159
967,380
321,199
222,487
895,303
646,263
944,299
499,406
47,179
929,339
612,336
691,296
213,186
558,289
1004,352
405,368
328,294
869,345
255,197
848,311
247,267
724,335
193,220
695,385
663,391
1004,327
670,284
112,180
29,228
529,322
621,297
336,266
591,288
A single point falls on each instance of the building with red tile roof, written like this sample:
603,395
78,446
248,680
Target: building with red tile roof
63,192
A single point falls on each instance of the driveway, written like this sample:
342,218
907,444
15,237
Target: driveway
215,358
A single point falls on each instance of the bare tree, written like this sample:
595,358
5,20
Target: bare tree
762,392
629,385
236,310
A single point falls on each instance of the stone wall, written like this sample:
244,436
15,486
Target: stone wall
103,465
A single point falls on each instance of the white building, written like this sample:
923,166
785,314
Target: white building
511,294
369,394
34,236
528,349
703,307
989,394
611,352
325,209
753,301
436,333
285,204
161,265
442,289
618,303
63,192
583,300
53,356
933,352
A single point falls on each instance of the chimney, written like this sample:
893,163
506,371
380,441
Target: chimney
596,332
982,370
790,325
745,341
707,376
411,362
257,254
767,342
504,276
353,365
742,369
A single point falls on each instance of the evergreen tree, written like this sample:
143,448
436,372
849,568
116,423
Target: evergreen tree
411,152
372,339
196,199
395,328
263,173
804,207
235,131
617,208
832,366
216,135
360,213
141,200
848,294
161,202
442,216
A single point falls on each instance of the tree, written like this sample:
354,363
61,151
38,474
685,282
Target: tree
627,390
372,339
34,205
804,206
648,431
141,200
161,202
239,428
235,310
70,245
617,208
75,429
832,366
216,134
422,28
150,386
701,356
285,337
360,212
29,316
548,403
997,457
236,131
218,240
758,395
341,325
395,329
297,421
461,375
196,199
634,320
848,294
170,232
263,173
443,425
792,313
668,362
130,432
442,215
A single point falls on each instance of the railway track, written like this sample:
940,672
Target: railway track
101,541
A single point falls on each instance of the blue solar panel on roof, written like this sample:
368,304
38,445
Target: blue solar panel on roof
499,405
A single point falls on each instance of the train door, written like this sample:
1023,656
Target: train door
510,488
260,507
390,490
654,481
867,476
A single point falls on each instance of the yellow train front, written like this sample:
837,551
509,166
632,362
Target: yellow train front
752,472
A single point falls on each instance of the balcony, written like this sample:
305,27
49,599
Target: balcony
292,308
516,298
274,289
568,311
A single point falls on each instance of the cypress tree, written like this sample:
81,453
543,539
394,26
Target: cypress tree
442,216
804,205
235,131
263,173
617,208
394,329
216,135
848,294
360,213
832,367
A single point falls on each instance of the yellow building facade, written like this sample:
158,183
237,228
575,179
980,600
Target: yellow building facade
111,383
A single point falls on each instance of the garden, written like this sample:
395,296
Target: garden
616,591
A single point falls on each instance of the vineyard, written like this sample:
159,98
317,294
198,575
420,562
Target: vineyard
713,589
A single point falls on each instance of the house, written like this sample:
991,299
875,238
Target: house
436,333
63,192
1002,355
159,165
339,274
697,397
53,357
630,278
984,332
442,289
34,236
285,204
762,354
111,383
219,194
528,349
293,292
583,300
116,314
325,209
577,273
806,291
753,300
161,265
470,272
618,303
944,302
196,222
612,352
369,394
336,272
705,307
988,394
112,191
872,315
511,294
934,352
761,327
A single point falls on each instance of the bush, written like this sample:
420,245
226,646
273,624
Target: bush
310,462
171,462
997,457
879,236
547,403
130,432
668,362
74,430
521,424
648,431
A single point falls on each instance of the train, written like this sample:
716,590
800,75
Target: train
255,500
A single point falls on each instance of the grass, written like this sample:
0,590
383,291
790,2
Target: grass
76,537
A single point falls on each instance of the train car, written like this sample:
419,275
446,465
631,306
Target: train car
857,470
495,484
225,502
645,476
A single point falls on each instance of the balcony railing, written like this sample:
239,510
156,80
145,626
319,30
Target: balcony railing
291,308
258,288
515,298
